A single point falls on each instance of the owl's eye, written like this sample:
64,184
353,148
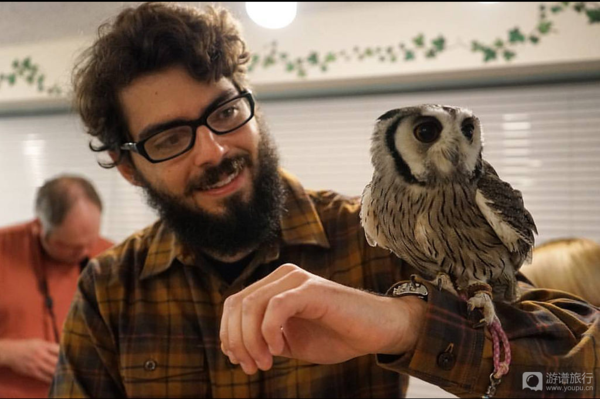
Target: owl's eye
428,132
467,131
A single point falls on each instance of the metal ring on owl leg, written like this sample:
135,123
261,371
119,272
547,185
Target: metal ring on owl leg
413,280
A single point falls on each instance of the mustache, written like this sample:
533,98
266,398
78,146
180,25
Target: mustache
214,174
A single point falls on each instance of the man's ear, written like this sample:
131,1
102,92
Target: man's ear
126,169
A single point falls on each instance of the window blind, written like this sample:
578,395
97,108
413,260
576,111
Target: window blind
543,140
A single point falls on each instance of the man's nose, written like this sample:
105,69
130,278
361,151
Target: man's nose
208,149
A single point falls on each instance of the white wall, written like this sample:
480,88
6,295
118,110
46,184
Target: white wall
571,46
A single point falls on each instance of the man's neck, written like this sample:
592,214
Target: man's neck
229,258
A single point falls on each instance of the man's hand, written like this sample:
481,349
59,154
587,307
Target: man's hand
33,358
296,314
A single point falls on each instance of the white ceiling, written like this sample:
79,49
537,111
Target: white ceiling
32,22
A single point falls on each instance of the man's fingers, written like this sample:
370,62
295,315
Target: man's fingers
231,303
280,309
253,310
235,343
45,370
53,348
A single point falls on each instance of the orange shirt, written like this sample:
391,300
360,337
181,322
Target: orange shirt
22,311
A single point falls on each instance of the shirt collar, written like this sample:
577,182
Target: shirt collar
300,225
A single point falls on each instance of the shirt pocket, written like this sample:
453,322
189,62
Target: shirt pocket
164,367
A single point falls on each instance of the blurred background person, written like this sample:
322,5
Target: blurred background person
568,264
40,262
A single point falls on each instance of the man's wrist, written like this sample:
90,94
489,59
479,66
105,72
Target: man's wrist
409,314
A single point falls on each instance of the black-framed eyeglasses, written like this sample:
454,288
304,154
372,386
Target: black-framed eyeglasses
174,139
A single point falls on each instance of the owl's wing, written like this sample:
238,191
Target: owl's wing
369,220
503,208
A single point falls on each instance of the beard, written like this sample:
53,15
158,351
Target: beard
244,225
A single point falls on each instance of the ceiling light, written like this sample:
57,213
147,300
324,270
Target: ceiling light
271,15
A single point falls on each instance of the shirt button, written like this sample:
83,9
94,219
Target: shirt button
150,365
446,361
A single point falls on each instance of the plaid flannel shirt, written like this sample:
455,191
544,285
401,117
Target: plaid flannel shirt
145,321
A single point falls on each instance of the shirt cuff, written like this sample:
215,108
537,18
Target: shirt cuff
449,350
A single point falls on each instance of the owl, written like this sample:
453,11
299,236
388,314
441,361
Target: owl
437,204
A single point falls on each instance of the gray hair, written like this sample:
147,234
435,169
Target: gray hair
57,196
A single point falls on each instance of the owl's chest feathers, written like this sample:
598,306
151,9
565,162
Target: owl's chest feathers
438,226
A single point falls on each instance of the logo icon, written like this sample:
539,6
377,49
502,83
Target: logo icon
533,381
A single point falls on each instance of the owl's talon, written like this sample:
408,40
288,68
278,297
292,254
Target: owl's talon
480,324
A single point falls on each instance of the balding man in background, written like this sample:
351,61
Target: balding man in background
40,262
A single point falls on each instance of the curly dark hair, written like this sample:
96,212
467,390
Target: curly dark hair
146,39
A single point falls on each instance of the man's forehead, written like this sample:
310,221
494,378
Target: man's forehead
169,95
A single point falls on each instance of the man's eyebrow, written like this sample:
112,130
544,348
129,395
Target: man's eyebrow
157,127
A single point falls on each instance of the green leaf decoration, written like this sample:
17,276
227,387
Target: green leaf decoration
503,48
330,57
439,43
593,15
515,36
29,73
268,61
508,55
419,41
476,46
544,27
490,54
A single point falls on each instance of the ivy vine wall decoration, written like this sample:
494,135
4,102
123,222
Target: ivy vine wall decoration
31,73
502,48
419,46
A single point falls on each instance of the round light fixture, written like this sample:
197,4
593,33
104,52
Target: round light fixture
272,15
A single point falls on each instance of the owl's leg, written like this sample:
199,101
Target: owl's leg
480,296
443,281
